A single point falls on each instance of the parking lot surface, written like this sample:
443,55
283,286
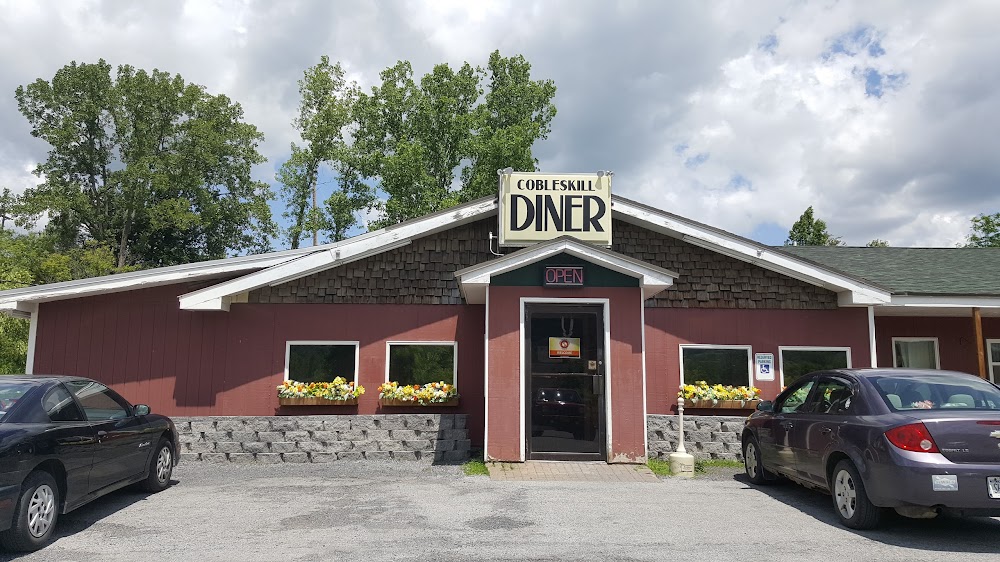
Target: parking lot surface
366,511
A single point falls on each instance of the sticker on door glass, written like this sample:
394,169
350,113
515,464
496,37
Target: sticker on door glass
564,347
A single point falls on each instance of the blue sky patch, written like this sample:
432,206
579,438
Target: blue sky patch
862,39
696,160
876,83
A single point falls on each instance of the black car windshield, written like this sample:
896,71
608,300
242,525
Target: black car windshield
10,393
942,391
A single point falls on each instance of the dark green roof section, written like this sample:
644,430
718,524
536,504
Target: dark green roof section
913,271
533,274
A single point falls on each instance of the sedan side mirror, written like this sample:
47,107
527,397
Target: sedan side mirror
765,406
140,410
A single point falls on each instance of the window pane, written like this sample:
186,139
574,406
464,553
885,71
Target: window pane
97,402
794,401
916,354
832,396
916,392
421,364
320,363
798,362
60,406
716,366
995,352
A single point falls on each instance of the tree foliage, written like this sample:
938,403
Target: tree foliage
324,114
985,231
153,168
878,243
429,144
810,231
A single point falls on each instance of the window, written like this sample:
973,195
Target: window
726,365
321,361
10,393
832,396
945,391
98,401
993,349
60,406
794,362
421,362
794,400
915,353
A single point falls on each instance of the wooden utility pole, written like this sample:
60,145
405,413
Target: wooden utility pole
977,321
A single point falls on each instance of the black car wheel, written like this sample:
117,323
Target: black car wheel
850,499
35,514
161,467
752,464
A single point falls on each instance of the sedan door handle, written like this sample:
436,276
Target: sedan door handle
787,424
825,430
101,435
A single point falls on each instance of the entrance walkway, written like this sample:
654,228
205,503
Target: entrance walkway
571,472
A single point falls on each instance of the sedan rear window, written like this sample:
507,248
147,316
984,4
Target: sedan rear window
10,393
938,392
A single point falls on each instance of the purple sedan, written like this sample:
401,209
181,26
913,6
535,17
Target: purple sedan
918,441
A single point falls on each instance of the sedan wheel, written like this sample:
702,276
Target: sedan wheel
752,463
164,465
161,467
850,500
35,514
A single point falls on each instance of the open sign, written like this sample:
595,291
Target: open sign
564,276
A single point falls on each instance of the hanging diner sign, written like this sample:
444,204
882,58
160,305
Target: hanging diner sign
535,207
564,347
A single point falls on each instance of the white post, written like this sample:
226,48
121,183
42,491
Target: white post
681,463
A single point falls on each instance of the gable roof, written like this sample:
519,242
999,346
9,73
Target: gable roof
914,271
474,280
280,267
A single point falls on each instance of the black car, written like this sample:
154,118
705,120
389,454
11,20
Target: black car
920,442
65,441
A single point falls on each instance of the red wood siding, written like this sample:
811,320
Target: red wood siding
186,363
956,338
764,330
505,401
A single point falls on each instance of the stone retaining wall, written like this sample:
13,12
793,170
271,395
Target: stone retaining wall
705,437
262,439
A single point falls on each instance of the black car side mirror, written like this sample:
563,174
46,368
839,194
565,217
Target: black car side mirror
765,406
141,410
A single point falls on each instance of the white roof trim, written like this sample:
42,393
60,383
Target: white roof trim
944,301
217,297
473,281
291,264
852,292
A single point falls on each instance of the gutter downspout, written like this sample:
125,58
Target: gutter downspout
872,349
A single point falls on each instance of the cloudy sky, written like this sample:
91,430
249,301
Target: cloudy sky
882,115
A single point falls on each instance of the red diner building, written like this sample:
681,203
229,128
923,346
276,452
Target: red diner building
560,346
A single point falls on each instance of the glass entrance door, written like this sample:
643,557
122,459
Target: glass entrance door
565,364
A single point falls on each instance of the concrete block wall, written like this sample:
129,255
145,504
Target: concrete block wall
299,439
705,437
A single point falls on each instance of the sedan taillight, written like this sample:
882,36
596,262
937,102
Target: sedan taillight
912,437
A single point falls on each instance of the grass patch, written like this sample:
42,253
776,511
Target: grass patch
659,467
475,468
702,466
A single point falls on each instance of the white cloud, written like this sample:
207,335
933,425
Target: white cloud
732,113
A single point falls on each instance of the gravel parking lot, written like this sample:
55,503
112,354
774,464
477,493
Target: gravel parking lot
366,511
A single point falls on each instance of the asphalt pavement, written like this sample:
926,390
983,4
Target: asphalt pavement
407,511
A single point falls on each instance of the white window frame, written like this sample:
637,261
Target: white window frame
454,367
783,348
748,348
290,343
937,349
989,358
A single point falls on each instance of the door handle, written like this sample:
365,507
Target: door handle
101,435
825,430
787,424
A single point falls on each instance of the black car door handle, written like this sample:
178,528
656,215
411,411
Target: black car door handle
787,424
101,435
825,430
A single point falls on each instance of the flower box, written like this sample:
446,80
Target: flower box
722,404
314,401
393,402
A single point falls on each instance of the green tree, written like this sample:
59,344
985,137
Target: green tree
142,163
878,243
810,231
985,231
430,145
324,114
33,259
